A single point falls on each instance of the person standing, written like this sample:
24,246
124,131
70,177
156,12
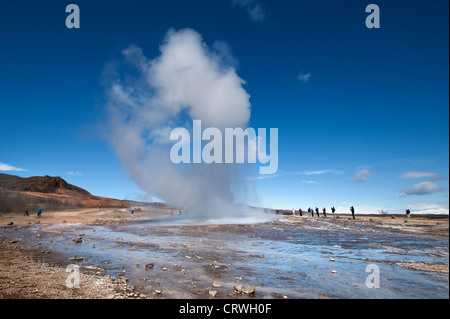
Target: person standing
352,209
408,213
39,212
333,210
300,212
324,210
317,211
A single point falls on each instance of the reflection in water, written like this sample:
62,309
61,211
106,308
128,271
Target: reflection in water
312,259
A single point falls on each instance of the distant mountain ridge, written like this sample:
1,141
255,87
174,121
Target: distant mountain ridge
40,184
51,193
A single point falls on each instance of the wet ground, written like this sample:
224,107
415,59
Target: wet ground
290,257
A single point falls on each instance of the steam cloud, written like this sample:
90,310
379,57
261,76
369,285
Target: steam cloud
148,98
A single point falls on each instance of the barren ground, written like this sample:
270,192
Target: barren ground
37,270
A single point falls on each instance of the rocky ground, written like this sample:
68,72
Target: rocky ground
27,274
24,276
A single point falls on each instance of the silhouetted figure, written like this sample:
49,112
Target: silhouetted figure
352,209
324,212
333,210
317,211
300,212
25,213
408,213
39,212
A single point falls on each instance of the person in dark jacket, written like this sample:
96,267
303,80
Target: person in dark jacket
352,209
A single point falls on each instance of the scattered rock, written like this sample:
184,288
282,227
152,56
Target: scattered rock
10,223
278,295
158,292
244,289
216,285
78,240
149,266
334,271
94,268
213,293
75,258
332,259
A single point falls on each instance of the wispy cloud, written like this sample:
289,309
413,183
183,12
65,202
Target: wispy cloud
325,171
362,176
304,77
415,174
74,173
253,7
306,173
423,188
6,167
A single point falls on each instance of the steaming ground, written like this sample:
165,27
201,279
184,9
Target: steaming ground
160,256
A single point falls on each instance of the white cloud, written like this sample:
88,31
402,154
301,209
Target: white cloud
325,171
409,175
423,188
253,8
74,173
6,167
429,208
362,176
360,209
310,182
306,173
304,77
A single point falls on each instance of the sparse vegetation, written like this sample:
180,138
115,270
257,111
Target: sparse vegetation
16,202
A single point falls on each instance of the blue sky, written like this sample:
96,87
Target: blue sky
362,113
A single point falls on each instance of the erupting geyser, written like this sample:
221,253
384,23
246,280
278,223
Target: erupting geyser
147,99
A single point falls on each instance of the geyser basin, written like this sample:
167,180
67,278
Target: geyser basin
313,258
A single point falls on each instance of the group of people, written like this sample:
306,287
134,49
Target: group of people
311,211
39,212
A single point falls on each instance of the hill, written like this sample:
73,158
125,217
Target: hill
44,184
51,193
